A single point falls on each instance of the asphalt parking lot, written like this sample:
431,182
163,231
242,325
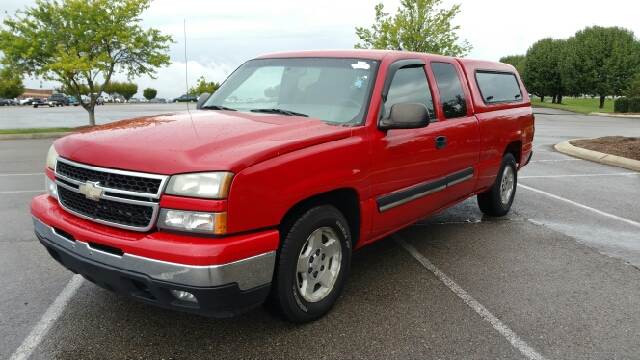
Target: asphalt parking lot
558,278
26,117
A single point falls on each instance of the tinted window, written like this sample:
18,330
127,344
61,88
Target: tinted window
409,85
498,87
452,97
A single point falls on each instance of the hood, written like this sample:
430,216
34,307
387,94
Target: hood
198,141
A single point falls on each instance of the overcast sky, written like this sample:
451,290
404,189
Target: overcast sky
221,34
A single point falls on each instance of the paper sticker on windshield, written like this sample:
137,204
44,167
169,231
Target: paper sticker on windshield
361,65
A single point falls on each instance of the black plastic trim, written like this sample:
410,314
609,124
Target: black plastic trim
420,190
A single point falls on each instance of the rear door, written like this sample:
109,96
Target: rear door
457,138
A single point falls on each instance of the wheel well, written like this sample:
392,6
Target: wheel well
514,148
346,200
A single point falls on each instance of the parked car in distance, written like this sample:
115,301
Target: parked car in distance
72,100
157,101
186,98
297,160
36,103
59,98
25,101
5,102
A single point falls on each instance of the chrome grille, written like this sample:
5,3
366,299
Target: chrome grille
119,198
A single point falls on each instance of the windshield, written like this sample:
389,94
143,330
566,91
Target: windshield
332,90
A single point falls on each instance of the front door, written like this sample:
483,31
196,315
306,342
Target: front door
407,167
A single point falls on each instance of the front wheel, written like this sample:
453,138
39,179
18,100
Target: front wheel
313,264
498,199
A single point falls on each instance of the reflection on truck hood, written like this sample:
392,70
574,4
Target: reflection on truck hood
200,141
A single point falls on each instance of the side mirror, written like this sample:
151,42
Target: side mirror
406,116
202,99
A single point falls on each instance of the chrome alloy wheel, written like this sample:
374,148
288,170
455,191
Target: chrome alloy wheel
319,264
507,185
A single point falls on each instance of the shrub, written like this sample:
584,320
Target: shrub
634,104
621,105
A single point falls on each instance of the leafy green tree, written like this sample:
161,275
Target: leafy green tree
543,69
127,90
204,86
10,83
418,25
80,42
149,93
633,90
518,61
603,61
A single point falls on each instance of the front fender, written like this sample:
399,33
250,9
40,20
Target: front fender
262,194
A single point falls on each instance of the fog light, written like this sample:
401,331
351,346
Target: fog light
52,188
193,221
184,296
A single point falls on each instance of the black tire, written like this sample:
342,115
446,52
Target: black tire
490,202
285,293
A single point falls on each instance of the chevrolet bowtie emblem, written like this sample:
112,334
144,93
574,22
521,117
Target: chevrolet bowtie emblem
91,190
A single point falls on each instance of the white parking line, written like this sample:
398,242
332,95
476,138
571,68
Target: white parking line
498,325
47,320
578,175
29,174
554,160
21,192
599,212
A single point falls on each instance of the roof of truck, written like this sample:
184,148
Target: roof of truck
381,54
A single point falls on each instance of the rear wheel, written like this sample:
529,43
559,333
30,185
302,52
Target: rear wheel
313,264
498,199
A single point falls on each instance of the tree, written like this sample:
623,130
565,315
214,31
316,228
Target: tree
518,61
10,83
418,25
633,90
126,89
604,60
149,93
204,86
80,42
543,69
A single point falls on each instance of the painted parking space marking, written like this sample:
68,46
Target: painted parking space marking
47,320
582,206
21,192
578,175
486,315
28,174
553,160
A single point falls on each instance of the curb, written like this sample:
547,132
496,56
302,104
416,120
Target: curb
565,147
615,115
51,135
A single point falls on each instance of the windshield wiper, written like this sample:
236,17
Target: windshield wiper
217,107
279,111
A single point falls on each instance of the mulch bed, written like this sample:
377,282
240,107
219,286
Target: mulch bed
628,147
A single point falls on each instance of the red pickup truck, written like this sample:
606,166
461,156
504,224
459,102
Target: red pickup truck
265,190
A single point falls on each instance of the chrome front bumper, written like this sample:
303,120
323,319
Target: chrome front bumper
247,273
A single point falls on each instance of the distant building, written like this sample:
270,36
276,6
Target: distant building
35,93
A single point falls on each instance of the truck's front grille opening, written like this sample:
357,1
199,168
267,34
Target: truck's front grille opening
110,180
64,234
107,210
106,248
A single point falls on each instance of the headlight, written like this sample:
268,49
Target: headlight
193,221
52,157
52,188
214,185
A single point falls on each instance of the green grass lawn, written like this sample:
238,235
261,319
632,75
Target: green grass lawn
579,105
34,130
